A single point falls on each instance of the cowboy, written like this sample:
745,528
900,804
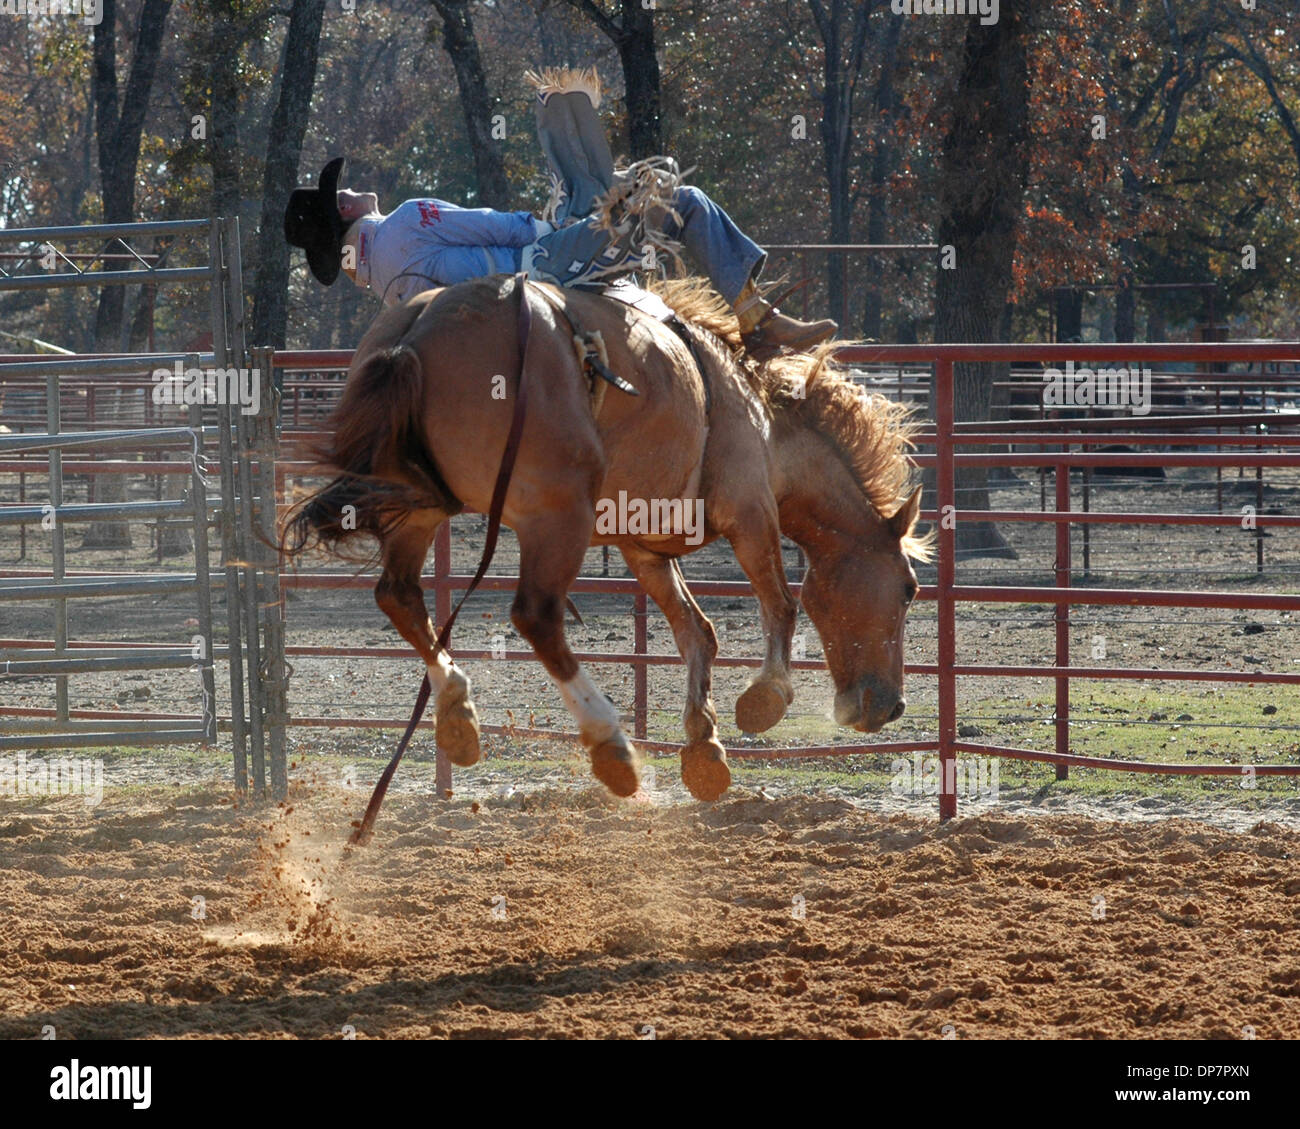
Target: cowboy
601,224
429,242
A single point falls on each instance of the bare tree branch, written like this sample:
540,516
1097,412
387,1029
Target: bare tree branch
1257,64
599,17
821,18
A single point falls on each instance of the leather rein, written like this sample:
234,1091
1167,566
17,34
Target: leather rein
365,829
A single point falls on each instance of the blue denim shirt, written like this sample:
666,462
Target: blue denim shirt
426,243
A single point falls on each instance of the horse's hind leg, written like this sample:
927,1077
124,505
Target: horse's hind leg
704,762
551,550
756,538
400,597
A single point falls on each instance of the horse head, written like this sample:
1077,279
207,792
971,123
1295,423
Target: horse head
857,590
841,463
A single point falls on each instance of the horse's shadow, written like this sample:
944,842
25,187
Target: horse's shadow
518,988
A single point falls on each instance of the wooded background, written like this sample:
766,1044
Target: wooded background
1116,144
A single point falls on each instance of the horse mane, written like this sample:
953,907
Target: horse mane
870,433
694,300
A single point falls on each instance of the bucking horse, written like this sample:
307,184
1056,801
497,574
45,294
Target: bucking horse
640,408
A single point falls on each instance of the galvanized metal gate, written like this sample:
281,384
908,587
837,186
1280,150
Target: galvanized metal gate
228,462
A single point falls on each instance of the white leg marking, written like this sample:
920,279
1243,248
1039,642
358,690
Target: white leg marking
596,717
444,673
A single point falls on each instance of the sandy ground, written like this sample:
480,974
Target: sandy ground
566,914
664,916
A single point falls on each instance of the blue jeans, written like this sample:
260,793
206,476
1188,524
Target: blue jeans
718,247
724,252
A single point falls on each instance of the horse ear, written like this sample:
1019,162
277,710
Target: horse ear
900,524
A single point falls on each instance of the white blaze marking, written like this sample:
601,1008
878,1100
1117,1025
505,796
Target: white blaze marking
596,717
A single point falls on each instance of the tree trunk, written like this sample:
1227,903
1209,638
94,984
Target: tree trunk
844,46
1106,321
552,35
1157,327
223,112
1069,315
475,102
873,306
1125,309
283,150
176,539
841,226
633,33
835,132
1000,404
983,172
118,129
141,331
882,160
636,51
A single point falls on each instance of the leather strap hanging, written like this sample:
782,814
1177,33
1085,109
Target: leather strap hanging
365,829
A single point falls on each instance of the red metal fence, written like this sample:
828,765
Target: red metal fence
1071,449
948,436
1059,445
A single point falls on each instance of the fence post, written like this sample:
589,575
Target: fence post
246,544
945,490
640,672
1259,497
275,669
228,523
257,435
231,330
441,610
53,421
198,494
22,529
1218,467
1087,525
1042,470
1062,620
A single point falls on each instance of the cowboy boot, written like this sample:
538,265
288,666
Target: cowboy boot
765,330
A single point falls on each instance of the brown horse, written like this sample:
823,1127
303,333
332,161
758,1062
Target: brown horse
787,447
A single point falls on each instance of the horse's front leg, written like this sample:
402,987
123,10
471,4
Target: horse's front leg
400,597
704,762
551,551
751,527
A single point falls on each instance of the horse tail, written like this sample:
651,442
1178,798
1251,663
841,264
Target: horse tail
378,423
380,458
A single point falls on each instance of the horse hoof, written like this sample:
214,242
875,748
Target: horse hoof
457,732
704,770
614,764
760,707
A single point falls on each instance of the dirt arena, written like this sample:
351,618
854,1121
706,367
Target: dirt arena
804,915
564,914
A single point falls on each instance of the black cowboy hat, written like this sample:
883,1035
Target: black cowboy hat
312,222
